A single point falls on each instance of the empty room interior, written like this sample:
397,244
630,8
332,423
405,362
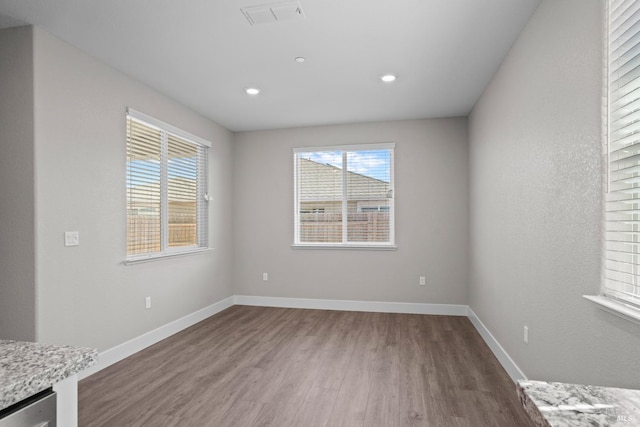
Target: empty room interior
319,213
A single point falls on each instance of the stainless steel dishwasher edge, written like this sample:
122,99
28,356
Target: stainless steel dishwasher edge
36,411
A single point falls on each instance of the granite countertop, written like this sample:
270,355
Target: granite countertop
27,368
559,404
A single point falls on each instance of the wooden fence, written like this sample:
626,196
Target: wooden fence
361,227
143,234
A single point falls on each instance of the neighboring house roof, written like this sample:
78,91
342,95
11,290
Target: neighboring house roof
323,182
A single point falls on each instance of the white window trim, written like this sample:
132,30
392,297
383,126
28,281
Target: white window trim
168,252
350,147
369,247
139,259
389,246
614,307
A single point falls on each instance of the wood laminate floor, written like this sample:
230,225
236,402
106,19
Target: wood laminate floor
257,366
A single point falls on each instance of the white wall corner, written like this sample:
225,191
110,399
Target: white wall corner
501,354
134,345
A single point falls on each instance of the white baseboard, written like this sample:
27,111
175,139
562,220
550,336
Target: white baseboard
503,357
345,305
126,349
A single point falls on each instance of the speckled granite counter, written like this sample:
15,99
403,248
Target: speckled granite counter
27,368
559,404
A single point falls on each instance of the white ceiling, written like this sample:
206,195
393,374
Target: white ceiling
203,53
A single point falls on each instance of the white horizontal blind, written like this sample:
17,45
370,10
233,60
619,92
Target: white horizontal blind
202,196
344,195
144,148
622,204
167,200
182,192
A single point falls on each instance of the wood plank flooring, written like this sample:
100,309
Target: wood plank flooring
257,366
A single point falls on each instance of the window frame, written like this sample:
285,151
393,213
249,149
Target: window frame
391,244
615,230
202,179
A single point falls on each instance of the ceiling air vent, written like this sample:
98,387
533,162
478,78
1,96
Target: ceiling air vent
275,12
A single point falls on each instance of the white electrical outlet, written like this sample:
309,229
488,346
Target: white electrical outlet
265,276
147,303
71,238
526,335
423,281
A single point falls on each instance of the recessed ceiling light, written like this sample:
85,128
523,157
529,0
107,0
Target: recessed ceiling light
299,59
252,91
388,78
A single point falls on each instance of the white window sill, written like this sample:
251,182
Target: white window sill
616,308
157,257
357,247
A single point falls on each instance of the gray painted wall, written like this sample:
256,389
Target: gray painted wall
431,217
17,247
85,294
535,147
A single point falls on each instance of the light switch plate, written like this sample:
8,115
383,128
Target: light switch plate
71,238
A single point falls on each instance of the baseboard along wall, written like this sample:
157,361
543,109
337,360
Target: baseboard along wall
501,354
346,305
126,349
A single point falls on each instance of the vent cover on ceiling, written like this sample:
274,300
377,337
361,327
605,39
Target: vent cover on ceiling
275,12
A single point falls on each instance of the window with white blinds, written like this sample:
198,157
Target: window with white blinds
621,272
344,196
167,196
